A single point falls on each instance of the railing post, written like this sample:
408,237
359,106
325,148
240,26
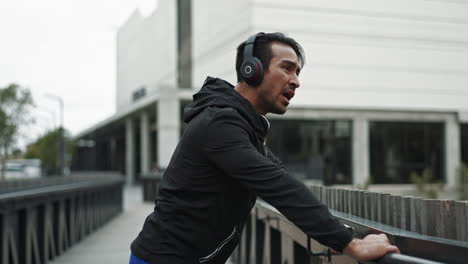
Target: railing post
81,216
253,237
385,209
374,206
275,245
287,250
89,212
428,225
446,220
9,238
395,205
354,202
349,197
406,212
266,244
260,238
415,212
367,204
48,243
243,247
99,209
324,195
71,219
300,254
62,232
461,209
360,203
32,253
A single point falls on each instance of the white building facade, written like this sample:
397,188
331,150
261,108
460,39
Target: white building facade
384,91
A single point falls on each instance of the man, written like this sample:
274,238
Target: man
222,164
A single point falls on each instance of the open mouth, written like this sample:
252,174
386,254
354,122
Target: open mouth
288,94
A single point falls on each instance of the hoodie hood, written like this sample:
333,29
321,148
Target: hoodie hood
219,93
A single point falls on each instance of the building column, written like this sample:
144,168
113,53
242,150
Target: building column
452,151
144,143
112,152
129,152
360,150
168,123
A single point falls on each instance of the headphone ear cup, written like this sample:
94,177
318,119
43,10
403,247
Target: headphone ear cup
252,71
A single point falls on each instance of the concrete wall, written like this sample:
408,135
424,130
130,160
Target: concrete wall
361,55
365,54
218,27
376,54
146,52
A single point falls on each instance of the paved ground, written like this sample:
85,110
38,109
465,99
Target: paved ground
110,243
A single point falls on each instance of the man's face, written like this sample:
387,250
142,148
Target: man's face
280,80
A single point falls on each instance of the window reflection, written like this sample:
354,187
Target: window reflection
464,143
399,148
319,150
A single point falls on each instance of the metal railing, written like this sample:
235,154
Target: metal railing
14,185
270,238
150,185
430,217
425,230
38,224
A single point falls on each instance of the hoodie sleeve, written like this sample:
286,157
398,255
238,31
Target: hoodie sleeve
229,148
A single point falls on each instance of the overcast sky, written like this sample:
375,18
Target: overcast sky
65,48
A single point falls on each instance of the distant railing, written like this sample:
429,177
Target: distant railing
14,185
38,224
270,238
150,184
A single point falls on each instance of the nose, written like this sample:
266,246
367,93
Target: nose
294,82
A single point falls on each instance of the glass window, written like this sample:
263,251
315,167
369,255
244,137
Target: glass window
318,150
399,148
464,143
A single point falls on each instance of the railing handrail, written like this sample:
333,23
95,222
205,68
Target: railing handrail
63,187
31,197
15,185
402,238
431,217
393,258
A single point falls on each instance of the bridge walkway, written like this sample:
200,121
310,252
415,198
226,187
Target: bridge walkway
110,243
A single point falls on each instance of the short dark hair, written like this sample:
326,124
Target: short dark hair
262,50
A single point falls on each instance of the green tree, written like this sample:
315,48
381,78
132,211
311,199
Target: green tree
463,182
46,148
426,185
15,103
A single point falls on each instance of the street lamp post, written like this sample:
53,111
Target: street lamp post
49,112
62,136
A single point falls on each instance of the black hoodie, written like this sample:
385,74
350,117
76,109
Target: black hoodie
217,171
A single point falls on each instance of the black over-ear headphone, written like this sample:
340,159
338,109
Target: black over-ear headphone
251,68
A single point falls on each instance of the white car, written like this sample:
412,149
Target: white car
23,169
14,171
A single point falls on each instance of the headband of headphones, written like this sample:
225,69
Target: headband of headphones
251,68
249,46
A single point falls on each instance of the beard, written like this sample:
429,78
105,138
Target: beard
276,109
273,104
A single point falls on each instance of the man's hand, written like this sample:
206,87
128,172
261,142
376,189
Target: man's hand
370,248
